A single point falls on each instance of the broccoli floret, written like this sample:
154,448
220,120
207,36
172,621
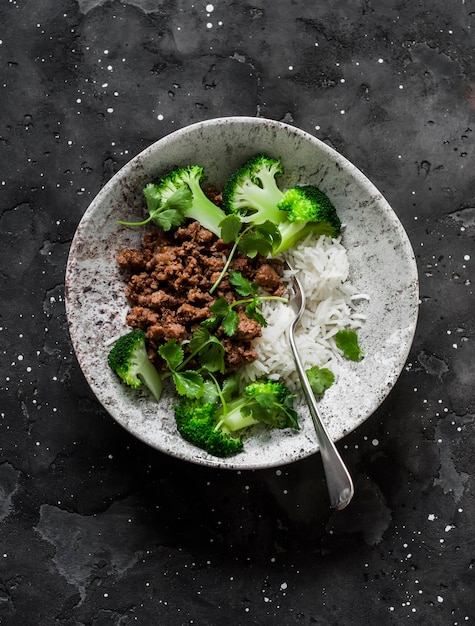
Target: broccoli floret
264,401
307,203
129,360
252,191
210,422
202,209
196,422
308,210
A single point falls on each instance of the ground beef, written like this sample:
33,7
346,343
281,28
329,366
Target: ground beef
168,281
269,279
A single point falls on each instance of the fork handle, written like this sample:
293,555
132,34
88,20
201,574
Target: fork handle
339,482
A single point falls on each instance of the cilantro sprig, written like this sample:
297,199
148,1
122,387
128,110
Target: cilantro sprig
251,241
169,214
208,351
224,312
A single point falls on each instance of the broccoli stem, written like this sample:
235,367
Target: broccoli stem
293,232
265,201
235,419
148,375
203,210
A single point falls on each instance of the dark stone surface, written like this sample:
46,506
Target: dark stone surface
97,529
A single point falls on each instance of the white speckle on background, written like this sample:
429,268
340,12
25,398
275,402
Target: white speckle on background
209,8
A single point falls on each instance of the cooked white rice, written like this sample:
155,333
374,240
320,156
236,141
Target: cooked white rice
332,305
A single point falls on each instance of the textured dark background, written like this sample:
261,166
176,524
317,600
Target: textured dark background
97,529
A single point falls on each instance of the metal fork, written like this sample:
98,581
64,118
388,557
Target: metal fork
339,482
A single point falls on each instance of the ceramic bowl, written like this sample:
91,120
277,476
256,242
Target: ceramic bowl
382,265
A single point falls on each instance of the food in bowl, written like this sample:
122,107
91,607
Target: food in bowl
197,287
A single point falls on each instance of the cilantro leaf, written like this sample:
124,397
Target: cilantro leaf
220,307
230,387
224,316
270,232
188,383
243,286
211,323
153,197
266,409
171,213
230,227
214,392
347,342
230,322
209,350
168,218
210,392
210,353
254,243
253,312
261,239
200,338
172,353
320,379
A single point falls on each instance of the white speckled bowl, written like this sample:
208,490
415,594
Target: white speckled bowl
381,259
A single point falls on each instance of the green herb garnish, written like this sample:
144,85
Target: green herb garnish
320,379
253,240
169,214
208,350
224,313
347,342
